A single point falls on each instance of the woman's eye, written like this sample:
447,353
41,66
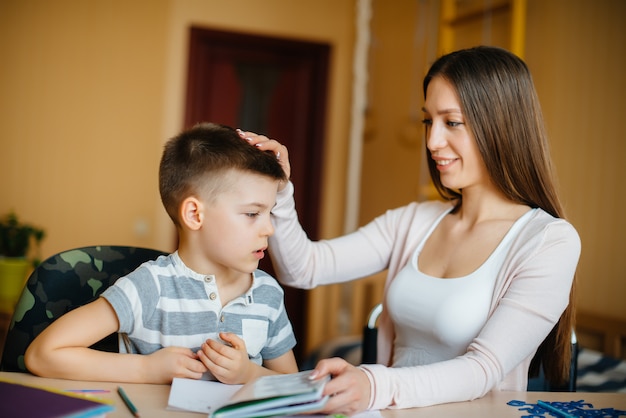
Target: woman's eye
454,124
427,121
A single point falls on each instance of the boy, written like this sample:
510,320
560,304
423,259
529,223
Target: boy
204,309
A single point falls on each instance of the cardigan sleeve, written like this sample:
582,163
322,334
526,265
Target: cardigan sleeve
384,243
302,263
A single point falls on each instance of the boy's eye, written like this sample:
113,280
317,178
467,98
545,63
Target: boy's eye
252,214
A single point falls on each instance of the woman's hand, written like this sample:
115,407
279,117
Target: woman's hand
229,362
349,388
266,144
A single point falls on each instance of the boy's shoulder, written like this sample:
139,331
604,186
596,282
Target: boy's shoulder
263,278
155,266
263,275
161,261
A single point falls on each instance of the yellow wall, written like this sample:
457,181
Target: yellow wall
577,52
91,90
80,110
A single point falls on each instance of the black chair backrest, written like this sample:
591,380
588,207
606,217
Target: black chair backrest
61,283
370,336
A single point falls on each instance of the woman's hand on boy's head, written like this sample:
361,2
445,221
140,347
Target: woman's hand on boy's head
227,361
266,144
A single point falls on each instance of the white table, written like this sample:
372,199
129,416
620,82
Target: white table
151,400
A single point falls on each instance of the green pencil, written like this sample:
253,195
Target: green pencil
128,402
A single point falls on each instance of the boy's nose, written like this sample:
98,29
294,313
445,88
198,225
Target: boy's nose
268,228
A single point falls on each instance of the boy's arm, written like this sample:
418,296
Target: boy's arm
62,351
230,364
282,364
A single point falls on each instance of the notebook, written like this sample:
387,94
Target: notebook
22,401
282,394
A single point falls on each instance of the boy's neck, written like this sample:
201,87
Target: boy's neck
224,279
198,263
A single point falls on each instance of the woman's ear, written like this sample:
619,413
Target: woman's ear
192,213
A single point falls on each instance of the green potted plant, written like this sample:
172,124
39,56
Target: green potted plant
17,242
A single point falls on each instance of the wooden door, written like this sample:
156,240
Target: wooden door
272,86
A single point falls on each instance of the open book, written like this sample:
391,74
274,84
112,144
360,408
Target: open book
282,394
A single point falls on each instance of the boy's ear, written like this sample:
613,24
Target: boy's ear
192,213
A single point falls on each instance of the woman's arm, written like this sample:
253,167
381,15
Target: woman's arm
62,351
303,263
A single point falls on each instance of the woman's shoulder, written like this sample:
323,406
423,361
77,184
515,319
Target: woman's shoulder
410,220
425,209
545,229
543,220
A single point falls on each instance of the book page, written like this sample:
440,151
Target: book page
199,395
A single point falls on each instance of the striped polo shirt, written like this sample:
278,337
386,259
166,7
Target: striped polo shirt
164,303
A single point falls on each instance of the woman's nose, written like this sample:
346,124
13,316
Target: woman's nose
435,138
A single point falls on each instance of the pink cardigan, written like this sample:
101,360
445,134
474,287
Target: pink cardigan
531,292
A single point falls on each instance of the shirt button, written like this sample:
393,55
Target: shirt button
212,296
208,279
222,318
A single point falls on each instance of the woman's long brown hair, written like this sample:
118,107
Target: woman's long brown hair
501,108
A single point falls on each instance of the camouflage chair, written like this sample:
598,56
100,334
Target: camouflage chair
61,283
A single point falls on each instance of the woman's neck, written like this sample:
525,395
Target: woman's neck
483,205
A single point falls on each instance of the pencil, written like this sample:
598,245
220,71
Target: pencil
557,411
127,401
88,390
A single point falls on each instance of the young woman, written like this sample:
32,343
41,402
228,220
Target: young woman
479,284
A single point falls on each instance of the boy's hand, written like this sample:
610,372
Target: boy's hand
170,362
266,144
228,362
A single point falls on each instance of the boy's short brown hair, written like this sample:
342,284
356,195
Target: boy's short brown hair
194,162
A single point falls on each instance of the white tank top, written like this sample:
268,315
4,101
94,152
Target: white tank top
436,319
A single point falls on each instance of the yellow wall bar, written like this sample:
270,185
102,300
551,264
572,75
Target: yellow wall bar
446,33
518,27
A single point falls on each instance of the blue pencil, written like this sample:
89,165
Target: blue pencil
557,411
88,390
